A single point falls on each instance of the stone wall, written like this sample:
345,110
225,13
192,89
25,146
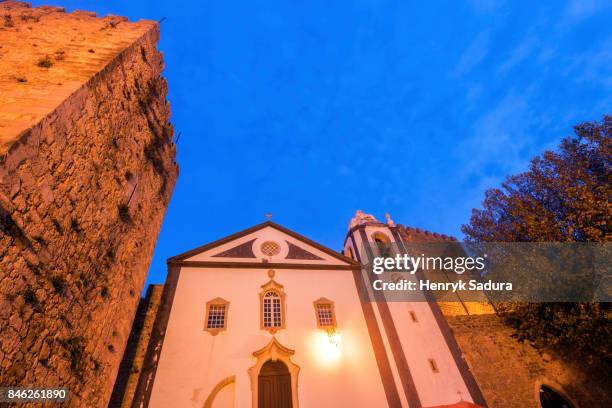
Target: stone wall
136,349
86,173
509,373
452,304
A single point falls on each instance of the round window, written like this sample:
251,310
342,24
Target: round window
270,248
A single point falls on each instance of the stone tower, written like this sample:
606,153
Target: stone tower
87,167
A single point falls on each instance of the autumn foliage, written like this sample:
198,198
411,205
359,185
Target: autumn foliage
563,197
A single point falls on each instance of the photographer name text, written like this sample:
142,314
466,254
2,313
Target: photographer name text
411,264
421,285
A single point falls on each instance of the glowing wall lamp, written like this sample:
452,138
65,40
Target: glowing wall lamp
334,338
326,347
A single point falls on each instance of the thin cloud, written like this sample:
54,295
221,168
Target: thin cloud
499,139
473,54
595,67
580,9
522,51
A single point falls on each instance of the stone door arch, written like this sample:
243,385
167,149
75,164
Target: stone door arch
273,352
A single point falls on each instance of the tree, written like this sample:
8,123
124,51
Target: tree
563,197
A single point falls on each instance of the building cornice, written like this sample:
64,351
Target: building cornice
261,265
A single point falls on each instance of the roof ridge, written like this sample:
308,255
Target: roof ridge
257,227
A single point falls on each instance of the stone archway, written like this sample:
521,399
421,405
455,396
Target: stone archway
549,393
217,389
274,351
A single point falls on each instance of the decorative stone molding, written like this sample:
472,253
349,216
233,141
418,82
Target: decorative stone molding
361,218
213,394
390,222
274,351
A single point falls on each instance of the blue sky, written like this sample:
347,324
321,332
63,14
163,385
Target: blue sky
313,109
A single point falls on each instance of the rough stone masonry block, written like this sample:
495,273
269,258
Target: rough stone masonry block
510,372
87,167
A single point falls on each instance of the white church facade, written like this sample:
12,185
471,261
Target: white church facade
267,318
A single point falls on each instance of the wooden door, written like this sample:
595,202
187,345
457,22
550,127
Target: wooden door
274,386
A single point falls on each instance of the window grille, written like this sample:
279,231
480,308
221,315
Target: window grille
325,315
216,317
272,315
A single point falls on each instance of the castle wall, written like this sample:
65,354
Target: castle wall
133,359
509,373
86,173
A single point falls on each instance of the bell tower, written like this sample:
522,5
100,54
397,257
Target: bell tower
367,237
416,350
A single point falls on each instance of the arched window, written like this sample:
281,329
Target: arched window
272,312
549,398
272,299
383,244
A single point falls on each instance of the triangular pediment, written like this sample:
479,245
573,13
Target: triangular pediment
244,250
265,243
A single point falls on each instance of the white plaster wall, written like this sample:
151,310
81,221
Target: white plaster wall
192,361
387,346
420,341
